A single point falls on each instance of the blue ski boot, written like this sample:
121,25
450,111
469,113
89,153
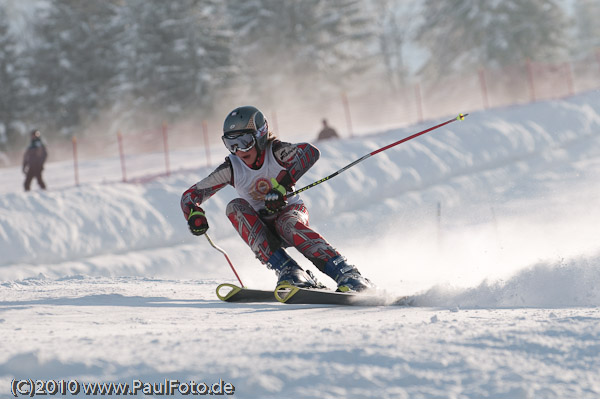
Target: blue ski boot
347,277
289,272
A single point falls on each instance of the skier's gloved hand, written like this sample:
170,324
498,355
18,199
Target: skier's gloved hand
275,199
197,221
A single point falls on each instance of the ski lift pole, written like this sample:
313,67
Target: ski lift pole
460,117
226,257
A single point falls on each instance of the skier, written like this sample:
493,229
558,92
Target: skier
263,170
33,160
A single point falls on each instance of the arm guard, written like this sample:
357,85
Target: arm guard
296,158
207,187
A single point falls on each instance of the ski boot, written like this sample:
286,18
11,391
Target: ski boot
347,277
289,272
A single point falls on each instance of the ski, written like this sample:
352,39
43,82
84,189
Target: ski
243,294
290,294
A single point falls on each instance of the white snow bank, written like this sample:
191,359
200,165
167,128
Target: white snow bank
482,198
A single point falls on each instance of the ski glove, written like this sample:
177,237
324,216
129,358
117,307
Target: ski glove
275,199
197,221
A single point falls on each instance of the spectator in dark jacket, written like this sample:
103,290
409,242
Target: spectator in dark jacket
327,132
33,160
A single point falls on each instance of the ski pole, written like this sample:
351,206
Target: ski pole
226,257
460,117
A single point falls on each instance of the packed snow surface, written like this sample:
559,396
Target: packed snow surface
491,223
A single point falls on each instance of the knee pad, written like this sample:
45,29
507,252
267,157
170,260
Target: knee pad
238,204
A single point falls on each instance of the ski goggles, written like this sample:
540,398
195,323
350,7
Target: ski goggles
242,141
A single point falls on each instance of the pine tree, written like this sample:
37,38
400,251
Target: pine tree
300,45
139,61
176,55
12,88
395,23
74,63
465,34
587,17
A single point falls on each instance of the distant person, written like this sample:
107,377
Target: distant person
33,160
327,132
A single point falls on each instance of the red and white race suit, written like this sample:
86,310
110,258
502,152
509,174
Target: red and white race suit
263,232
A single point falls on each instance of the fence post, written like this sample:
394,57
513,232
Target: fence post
122,155
347,112
419,101
496,230
75,163
275,123
484,91
569,78
531,82
166,148
206,142
439,225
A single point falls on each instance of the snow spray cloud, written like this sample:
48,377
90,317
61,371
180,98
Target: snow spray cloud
574,283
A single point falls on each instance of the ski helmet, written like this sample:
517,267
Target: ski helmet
246,119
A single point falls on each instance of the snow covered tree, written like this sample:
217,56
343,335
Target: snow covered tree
74,62
12,87
587,17
395,22
294,43
466,34
175,55
141,61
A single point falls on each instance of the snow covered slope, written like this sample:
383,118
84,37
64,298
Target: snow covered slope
491,222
